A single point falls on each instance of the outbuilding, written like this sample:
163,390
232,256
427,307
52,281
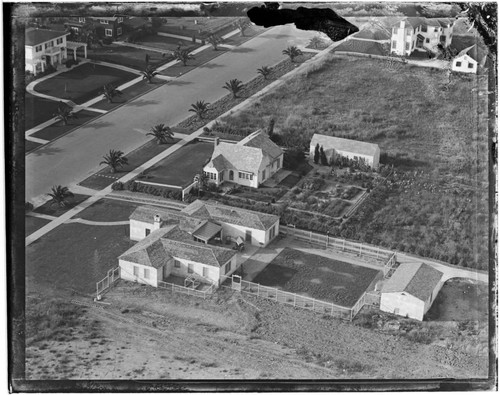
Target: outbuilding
411,290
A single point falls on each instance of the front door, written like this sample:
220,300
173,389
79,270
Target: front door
248,236
231,175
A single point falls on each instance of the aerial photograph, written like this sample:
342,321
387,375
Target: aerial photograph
272,193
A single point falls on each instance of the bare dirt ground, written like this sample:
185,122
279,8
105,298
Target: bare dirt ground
152,334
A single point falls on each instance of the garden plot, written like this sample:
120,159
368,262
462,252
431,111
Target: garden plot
317,277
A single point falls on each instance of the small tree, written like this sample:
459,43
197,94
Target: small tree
148,74
114,159
292,52
234,86
59,196
265,71
200,108
64,113
161,133
183,55
109,91
316,42
242,24
316,154
322,155
214,40
270,128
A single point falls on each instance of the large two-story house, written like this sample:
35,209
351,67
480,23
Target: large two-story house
249,162
111,26
420,34
43,47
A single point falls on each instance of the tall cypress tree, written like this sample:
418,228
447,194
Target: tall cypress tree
316,154
322,154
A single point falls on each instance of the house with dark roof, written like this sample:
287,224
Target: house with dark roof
411,290
469,60
43,47
420,34
249,162
347,148
170,252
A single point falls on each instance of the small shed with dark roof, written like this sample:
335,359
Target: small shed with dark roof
411,290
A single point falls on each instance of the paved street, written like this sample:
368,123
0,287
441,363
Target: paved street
75,156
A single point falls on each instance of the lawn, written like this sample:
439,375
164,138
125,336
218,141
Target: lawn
436,204
186,26
32,224
56,211
179,168
103,178
58,129
83,82
128,56
317,277
168,43
199,59
290,181
75,256
108,210
362,46
37,110
30,145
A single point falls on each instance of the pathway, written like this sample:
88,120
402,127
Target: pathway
97,223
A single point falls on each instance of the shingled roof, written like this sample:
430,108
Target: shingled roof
418,280
40,36
231,215
415,22
474,52
348,145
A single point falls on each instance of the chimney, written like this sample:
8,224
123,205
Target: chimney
157,222
216,141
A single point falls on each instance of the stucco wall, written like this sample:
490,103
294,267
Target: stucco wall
402,304
127,273
464,67
138,229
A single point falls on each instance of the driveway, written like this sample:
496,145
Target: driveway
75,156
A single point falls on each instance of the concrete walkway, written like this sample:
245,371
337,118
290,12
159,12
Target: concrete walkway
97,223
43,216
144,47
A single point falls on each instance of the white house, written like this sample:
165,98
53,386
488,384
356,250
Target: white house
469,60
44,47
249,162
351,149
169,251
411,290
421,34
208,222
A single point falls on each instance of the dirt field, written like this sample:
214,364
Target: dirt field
317,277
152,334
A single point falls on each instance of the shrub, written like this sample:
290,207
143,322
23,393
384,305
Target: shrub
28,207
69,62
117,186
107,40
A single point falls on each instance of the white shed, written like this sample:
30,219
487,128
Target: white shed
411,290
469,60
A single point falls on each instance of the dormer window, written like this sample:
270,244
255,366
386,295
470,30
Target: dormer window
120,19
104,22
81,20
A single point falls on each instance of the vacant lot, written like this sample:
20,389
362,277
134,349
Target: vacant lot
179,168
128,56
168,43
426,126
37,110
83,82
317,277
108,210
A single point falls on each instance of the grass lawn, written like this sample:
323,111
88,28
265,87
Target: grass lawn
135,158
58,129
168,43
198,61
185,26
83,82
317,277
361,46
37,110
436,205
128,56
57,211
290,180
129,93
75,256
30,145
179,168
107,210
32,224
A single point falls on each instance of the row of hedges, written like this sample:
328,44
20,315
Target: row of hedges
134,186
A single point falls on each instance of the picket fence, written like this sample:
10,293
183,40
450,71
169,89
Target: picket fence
104,285
187,290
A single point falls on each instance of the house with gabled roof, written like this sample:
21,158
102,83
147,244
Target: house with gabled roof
469,60
335,147
43,47
421,34
411,290
249,162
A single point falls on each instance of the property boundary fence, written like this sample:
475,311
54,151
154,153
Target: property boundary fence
186,290
104,285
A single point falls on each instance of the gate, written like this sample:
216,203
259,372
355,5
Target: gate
236,284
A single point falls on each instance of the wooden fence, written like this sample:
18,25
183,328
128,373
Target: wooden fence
103,285
187,290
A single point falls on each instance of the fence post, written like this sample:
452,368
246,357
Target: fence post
343,245
258,289
313,303
276,294
360,246
310,236
294,299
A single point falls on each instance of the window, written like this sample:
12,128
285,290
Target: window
109,32
146,273
81,20
470,65
119,31
104,22
205,271
120,19
436,29
409,32
136,271
407,46
394,30
424,29
190,268
231,175
251,177
458,64
38,48
148,231
240,174
263,174
177,264
278,162
227,268
394,44
427,41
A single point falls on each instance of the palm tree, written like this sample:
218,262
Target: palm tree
114,159
148,74
292,52
64,113
109,91
234,86
183,55
59,195
265,71
200,108
214,40
161,133
315,42
242,24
